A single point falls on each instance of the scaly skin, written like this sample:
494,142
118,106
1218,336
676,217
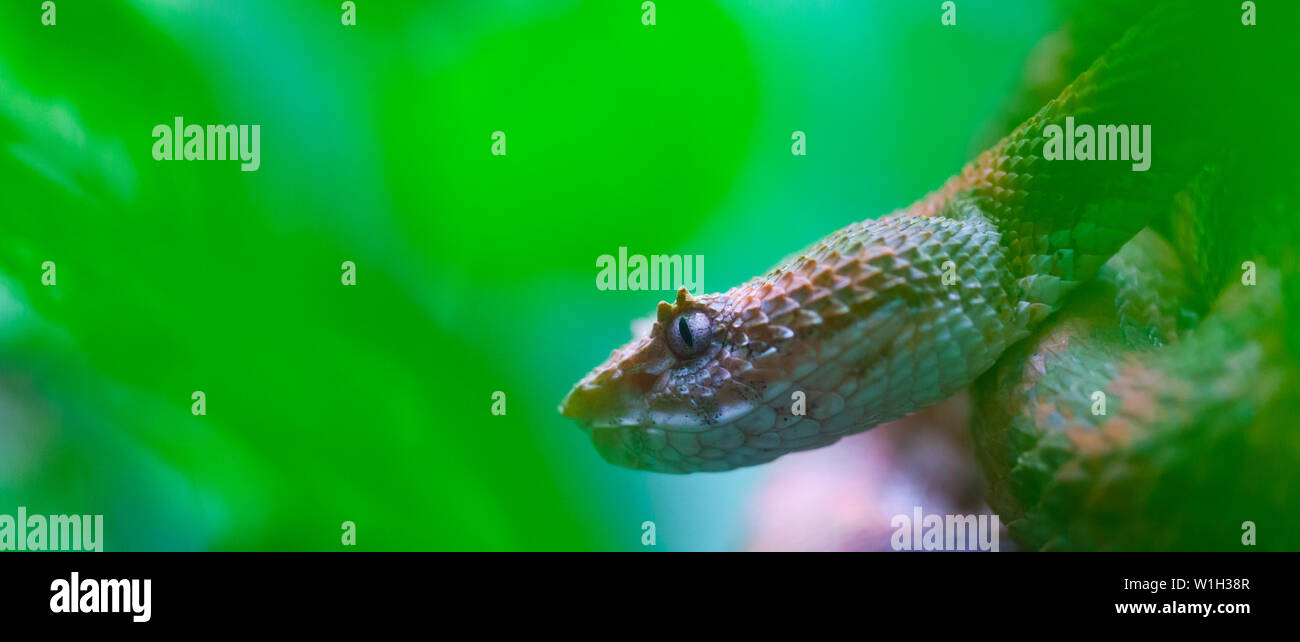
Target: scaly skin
864,324
861,324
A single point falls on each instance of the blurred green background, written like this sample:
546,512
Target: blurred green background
476,273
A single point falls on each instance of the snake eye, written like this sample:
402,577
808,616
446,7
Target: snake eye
689,334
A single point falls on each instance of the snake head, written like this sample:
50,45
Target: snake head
857,330
706,386
665,400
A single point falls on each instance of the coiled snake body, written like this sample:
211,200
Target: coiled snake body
1127,335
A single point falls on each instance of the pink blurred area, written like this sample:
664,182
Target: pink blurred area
843,497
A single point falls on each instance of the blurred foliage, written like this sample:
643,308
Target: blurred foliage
476,273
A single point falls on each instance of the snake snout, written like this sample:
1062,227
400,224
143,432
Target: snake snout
606,401
583,403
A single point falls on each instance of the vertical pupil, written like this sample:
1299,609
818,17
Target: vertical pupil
685,330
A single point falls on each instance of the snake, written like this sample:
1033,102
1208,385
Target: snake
1129,338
